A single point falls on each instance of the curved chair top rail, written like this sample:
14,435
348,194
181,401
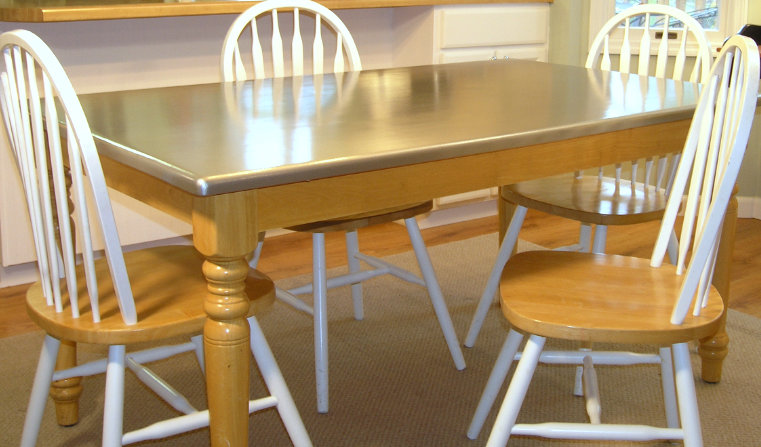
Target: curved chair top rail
599,53
34,89
231,64
708,169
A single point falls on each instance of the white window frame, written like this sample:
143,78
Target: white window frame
733,14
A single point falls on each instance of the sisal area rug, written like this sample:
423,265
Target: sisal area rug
392,381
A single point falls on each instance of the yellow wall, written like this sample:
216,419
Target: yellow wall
754,12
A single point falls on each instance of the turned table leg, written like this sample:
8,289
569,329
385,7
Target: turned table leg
65,393
226,344
714,349
225,232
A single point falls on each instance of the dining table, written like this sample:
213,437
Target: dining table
238,158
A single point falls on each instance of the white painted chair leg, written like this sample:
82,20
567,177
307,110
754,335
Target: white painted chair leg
673,248
669,390
113,410
42,379
434,291
516,392
601,235
254,261
352,249
494,384
585,237
198,349
688,402
320,291
578,385
277,387
487,298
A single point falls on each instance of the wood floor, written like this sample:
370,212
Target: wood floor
290,255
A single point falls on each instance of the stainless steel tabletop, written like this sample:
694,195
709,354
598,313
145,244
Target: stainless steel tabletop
219,138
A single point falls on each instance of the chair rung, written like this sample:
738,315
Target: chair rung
567,430
342,280
380,267
598,357
182,424
393,270
591,390
292,300
159,386
144,356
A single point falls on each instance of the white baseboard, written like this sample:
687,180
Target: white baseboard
14,275
749,207
446,216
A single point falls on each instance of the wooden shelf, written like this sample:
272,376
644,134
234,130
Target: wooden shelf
80,10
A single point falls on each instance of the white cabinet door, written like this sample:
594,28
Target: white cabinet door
463,26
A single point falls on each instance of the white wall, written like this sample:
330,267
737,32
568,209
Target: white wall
135,53
139,53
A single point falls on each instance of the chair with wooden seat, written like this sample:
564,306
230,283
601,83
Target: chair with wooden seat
628,301
607,196
307,14
117,299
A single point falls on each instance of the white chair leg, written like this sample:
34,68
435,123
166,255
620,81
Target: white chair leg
254,261
198,348
601,234
585,237
496,379
277,387
669,391
578,385
673,248
505,251
688,402
320,291
352,249
113,407
516,392
434,291
42,379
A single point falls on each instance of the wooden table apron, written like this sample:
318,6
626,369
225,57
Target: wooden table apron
225,226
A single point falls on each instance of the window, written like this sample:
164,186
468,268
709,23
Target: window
720,18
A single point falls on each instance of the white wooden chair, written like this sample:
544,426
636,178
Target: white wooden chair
305,14
120,298
625,300
608,196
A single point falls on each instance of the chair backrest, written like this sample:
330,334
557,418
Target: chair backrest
708,169
676,34
233,63
671,25
59,168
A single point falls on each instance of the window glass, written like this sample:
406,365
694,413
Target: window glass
706,12
719,18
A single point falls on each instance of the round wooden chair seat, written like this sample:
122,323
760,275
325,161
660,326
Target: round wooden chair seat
168,288
589,199
599,298
356,221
